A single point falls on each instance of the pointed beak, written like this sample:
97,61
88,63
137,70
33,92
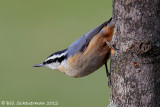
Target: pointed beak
39,65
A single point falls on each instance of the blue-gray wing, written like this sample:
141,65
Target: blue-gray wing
81,43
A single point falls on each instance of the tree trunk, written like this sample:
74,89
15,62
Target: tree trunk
135,78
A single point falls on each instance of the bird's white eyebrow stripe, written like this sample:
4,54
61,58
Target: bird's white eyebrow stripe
57,56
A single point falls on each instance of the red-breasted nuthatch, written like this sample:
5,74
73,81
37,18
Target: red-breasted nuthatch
85,55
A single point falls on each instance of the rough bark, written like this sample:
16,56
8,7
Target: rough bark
135,78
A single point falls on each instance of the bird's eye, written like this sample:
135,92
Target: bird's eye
49,61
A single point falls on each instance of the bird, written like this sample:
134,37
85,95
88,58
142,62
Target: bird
84,56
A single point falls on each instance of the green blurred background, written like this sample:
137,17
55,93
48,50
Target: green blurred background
31,30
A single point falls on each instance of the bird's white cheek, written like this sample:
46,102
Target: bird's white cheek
64,63
53,65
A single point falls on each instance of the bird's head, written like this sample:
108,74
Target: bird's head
54,60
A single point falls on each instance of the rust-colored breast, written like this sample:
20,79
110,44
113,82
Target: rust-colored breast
94,56
98,43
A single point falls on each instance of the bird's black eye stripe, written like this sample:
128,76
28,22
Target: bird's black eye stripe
58,59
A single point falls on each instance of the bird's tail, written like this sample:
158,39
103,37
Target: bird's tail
106,22
111,23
